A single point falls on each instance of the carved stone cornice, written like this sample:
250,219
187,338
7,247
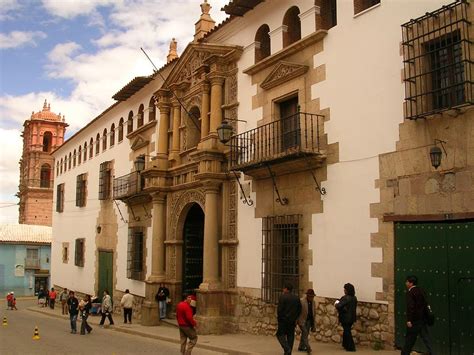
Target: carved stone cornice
283,71
287,51
138,142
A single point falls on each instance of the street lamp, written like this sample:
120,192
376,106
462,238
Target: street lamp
224,131
436,153
139,163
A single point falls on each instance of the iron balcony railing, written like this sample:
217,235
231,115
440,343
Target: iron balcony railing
127,185
32,263
291,136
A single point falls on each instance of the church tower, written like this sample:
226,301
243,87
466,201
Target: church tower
42,133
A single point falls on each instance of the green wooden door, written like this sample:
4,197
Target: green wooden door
441,256
105,273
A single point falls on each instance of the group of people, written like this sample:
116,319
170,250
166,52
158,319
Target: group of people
77,308
46,297
11,301
293,311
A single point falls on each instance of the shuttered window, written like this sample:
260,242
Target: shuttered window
60,198
79,252
105,180
81,184
135,265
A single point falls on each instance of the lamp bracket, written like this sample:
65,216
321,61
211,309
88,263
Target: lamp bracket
147,215
136,218
442,143
281,200
321,190
120,212
234,119
248,201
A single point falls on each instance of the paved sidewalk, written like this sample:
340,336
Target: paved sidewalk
225,344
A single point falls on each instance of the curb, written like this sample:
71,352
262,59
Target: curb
173,340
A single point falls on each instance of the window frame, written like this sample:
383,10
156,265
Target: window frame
60,198
281,249
81,190
136,253
79,252
105,180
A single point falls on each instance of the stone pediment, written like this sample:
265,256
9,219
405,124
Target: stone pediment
193,62
139,142
283,71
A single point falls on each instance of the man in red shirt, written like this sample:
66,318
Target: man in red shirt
187,324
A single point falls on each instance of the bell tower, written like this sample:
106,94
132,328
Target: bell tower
42,133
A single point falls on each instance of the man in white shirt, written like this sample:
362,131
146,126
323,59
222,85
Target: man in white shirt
127,304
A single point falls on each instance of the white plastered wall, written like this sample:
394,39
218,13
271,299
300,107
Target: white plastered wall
365,93
75,222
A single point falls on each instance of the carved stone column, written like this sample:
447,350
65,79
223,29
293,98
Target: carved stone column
211,237
150,307
205,111
159,236
162,135
216,102
176,122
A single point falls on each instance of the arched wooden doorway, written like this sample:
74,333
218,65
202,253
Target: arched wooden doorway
193,238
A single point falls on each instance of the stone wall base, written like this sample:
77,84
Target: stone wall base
253,316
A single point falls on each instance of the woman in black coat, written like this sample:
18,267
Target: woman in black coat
346,306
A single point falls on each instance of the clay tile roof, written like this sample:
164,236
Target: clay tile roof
46,114
25,233
132,87
240,7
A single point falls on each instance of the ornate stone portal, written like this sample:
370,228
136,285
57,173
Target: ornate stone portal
190,168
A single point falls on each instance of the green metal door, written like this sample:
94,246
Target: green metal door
105,272
441,256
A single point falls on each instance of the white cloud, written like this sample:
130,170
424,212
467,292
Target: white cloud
72,8
17,39
6,7
97,75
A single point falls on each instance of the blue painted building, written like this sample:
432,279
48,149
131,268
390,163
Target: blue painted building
25,253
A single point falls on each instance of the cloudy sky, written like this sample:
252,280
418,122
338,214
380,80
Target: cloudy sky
77,54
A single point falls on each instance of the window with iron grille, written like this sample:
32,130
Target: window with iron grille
135,269
79,252
81,191
105,180
280,255
437,61
60,198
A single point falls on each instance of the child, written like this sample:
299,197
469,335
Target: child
9,300
13,304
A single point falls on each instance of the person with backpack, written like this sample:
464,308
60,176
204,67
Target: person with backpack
416,317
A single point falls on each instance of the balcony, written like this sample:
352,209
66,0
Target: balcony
127,186
32,263
289,144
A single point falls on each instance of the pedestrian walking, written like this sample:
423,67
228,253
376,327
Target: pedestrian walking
106,309
127,304
289,309
347,307
41,297
73,309
13,304
187,325
84,309
416,321
162,296
52,298
63,296
9,300
307,320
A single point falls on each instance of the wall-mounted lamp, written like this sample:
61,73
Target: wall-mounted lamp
139,163
436,153
225,130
